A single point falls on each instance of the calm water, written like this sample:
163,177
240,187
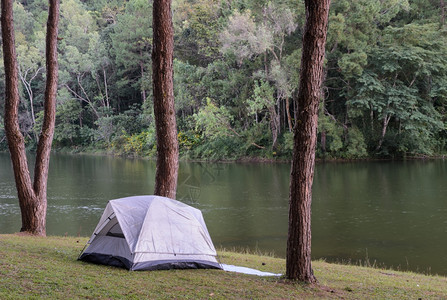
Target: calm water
393,213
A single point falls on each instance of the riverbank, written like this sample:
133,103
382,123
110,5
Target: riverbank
34,267
245,159
182,157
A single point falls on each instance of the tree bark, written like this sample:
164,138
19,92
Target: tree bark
32,196
164,110
298,264
49,120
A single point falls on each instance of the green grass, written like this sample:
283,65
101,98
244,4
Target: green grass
46,268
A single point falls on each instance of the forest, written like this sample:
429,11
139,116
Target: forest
236,72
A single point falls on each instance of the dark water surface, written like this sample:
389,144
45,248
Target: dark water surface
391,213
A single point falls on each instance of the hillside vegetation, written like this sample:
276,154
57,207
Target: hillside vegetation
236,77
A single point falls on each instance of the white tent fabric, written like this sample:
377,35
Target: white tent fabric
245,270
151,233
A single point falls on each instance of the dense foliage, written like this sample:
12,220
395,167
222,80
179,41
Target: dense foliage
236,75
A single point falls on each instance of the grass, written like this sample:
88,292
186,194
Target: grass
46,268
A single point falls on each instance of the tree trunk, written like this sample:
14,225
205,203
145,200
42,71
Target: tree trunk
143,90
32,197
164,110
386,121
274,126
323,142
289,116
298,264
106,88
49,120
323,132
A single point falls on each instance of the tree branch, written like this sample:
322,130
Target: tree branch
79,97
235,132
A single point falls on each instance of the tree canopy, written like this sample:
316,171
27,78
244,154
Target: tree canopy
236,66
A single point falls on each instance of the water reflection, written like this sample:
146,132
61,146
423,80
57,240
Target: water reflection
390,212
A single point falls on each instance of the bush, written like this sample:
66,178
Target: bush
356,146
221,148
333,132
187,140
141,144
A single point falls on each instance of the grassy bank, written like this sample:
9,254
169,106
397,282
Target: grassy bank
33,267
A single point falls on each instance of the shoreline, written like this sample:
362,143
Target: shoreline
256,160
242,160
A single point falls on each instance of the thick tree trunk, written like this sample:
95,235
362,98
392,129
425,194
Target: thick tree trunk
298,264
164,110
49,120
32,197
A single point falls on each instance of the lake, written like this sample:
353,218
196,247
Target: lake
392,214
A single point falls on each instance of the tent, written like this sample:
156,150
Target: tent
151,233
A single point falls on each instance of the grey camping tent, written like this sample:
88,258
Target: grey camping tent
151,233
